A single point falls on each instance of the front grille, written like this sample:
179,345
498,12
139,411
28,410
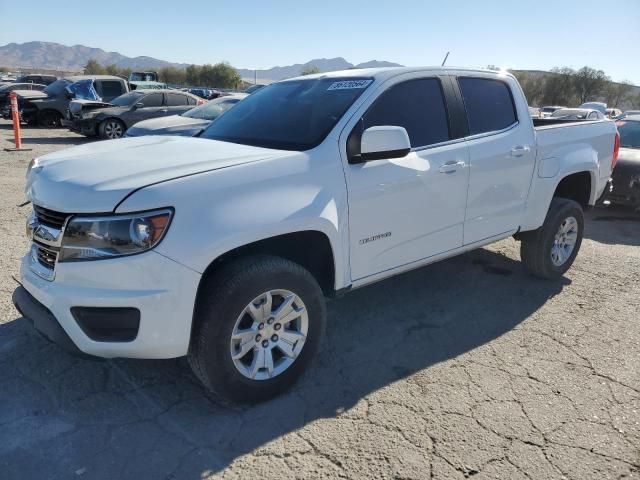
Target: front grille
46,257
50,217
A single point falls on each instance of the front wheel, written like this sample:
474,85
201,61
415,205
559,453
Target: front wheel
549,251
258,323
111,129
49,119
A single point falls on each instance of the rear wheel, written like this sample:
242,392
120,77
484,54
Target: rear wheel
49,119
111,129
549,251
258,324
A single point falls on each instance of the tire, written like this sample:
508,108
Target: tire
111,129
223,300
49,119
537,247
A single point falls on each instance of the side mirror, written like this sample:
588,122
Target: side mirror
382,142
139,105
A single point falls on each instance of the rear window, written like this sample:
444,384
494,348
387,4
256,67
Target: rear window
488,103
176,100
111,88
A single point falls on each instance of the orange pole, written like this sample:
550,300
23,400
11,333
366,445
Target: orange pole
16,120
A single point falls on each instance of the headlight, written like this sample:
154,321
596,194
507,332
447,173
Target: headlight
98,237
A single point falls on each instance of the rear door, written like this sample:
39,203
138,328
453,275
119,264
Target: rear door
403,210
502,156
177,103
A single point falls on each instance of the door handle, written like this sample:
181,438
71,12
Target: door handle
163,110
451,167
520,150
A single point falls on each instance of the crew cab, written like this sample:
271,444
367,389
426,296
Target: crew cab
223,247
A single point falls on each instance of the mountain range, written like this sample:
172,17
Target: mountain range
55,56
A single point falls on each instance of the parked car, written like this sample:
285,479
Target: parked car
48,108
613,112
38,78
222,247
629,113
205,93
5,90
599,106
253,88
577,114
547,111
111,120
189,123
626,176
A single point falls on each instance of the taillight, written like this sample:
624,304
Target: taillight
200,102
616,151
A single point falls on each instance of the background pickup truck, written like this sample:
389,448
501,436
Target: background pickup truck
222,247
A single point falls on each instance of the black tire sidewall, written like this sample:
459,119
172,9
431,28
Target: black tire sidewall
219,316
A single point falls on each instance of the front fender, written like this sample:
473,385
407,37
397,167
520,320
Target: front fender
218,211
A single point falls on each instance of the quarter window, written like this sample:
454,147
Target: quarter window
488,103
418,106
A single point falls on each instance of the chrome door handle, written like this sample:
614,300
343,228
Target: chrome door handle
164,110
451,167
520,150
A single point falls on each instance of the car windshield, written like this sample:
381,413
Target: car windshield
56,87
211,110
127,99
288,115
629,133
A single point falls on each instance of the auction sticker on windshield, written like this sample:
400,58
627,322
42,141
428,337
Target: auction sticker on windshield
349,84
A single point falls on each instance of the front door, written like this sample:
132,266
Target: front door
403,210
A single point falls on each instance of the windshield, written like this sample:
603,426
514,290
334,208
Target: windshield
288,115
629,133
56,87
127,99
211,110
142,77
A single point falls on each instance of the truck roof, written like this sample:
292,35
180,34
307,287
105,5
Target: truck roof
388,72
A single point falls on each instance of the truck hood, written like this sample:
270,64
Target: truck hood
30,94
171,125
95,177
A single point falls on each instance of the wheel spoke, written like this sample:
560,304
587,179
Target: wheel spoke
257,363
244,349
286,348
268,361
285,307
292,315
267,305
255,312
291,337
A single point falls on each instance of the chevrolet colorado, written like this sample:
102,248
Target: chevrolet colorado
223,246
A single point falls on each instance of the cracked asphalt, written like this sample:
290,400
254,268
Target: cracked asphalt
466,368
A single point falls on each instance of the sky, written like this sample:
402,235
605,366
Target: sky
520,34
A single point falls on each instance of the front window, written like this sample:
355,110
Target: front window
288,115
629,133
210,110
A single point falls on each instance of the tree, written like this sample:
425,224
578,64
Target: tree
93,68
221,75
112,69
532,86
192,75
172,75
589,83
310,70
617,93
559,87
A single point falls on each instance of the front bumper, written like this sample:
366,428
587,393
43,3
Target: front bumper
162,290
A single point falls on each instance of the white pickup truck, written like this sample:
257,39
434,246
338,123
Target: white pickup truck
223,247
